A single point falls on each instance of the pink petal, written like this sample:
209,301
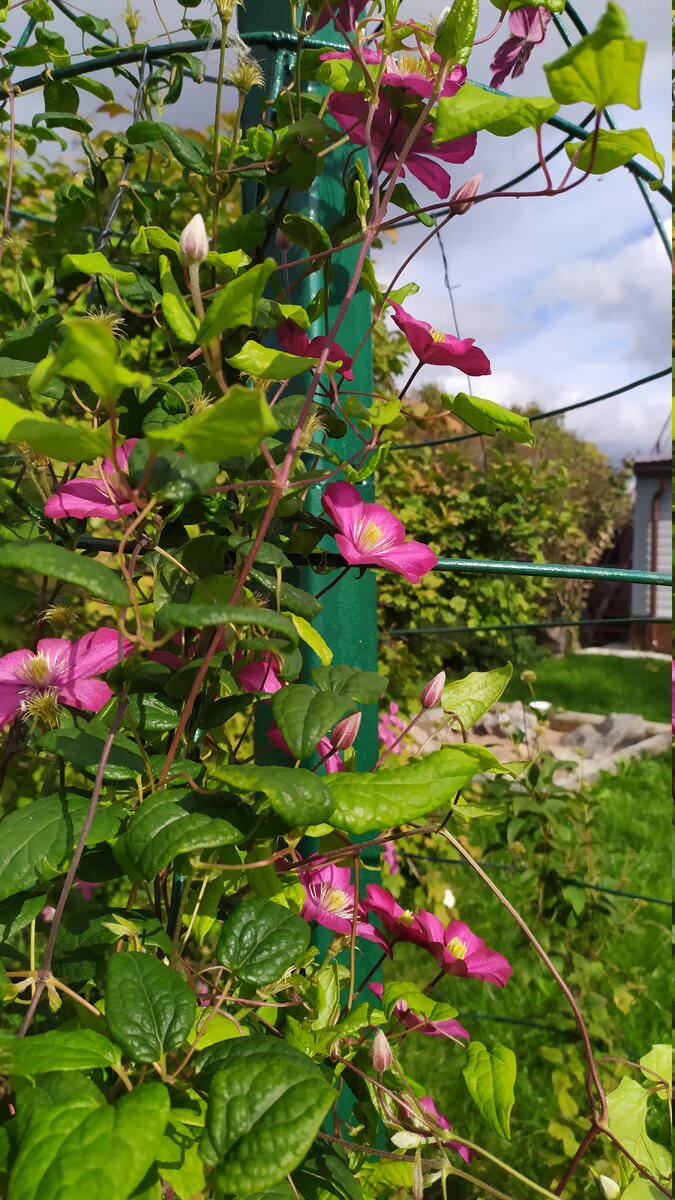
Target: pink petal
260,676
412,560
293,340
89,656
11,664
417,332
10,703
351,113
430,174
87,694
87,498
345,507
349,551
457,151
393,530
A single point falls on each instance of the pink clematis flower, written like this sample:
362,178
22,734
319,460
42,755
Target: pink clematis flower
61,672
390,857
346,11
527,27
409,73
443,1123
440,349
389,726
87,889
294,340
369,533
330,901
466,954
448,1029
93,496
388,135
673,694
332,758
262,675
399,923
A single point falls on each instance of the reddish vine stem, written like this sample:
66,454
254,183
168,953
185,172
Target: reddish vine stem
576,1161
45,970
599,1118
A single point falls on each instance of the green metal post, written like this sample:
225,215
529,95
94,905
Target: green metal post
348,621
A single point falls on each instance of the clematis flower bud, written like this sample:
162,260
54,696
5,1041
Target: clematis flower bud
463,198
194,242
346,731
432,693
381,1053
609,1187
283,243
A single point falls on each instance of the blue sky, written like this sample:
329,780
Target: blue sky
569,296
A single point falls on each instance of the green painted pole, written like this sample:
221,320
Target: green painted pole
348,621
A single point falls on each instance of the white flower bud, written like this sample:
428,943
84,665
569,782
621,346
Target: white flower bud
463,198
610,1187
432,693
346,731
194,242
381,1053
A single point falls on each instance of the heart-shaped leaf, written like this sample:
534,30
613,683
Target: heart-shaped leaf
149,1007
261,940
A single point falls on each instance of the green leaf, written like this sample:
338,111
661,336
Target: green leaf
312,638
325,1173
44,558
148,714
304,231
304,715
261,940
604,68
233,426
36,839
178,315
264,1113
366,687
659,1061
628,1107
18,911
403,198
174,822
86,1147
265,363
84,747
149,1007
475,694
90,354
55,439
200,616
388,798
56,1050
298,796
614,148
490,1077
237,304
457,32
189,154
485,416
178,1160
473,109
95,263
554,6
433,1010
292,599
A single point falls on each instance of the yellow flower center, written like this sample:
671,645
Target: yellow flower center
37,670
412,64
369,536
43,707
406,918
438,337
333,900
457,947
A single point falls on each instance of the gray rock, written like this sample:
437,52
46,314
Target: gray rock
565,721
660,743
586,739
504,719
622,729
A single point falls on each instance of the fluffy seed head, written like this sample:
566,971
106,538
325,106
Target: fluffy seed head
43,707
194,242
247,75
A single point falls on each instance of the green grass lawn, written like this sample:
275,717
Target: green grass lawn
600,683
617,960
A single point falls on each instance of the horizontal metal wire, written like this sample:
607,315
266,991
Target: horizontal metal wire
451,630
554,412
580,883
473,566
489,566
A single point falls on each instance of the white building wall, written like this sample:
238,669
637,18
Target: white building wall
645,490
